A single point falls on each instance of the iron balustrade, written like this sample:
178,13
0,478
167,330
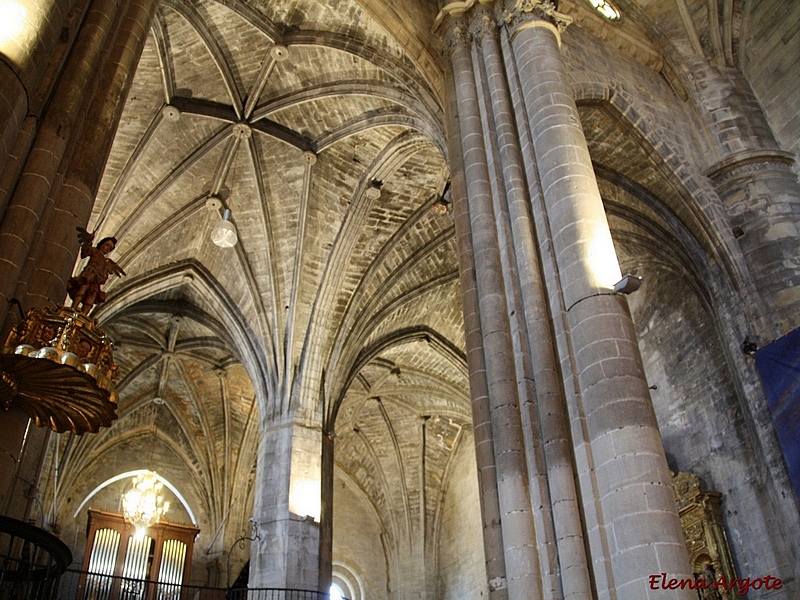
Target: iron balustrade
33,566
31,561
82,585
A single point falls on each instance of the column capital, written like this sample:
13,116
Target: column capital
456,35
482,23
523,14
750,161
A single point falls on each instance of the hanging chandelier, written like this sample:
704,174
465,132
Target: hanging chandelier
57,366
57,363
142,505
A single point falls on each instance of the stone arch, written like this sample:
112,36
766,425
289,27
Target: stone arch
709,222
228,319
163,480
348,580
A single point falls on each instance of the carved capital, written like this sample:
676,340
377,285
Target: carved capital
482,23
456,35
520,14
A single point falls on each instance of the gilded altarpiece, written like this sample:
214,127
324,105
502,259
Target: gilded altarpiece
701,519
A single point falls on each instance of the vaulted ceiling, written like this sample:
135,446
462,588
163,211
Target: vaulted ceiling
315,127
319,124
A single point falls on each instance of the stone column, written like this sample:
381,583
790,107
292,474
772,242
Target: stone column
26,208
760,191
561,502
476,362
326,509
287,551
505,191
638,530
23,217
76,195
34,30
519,537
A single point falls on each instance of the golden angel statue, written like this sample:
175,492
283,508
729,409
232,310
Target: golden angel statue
85,289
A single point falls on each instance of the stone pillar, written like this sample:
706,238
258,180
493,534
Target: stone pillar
505,190
519,537
76,195
24,56
760,191
560,503
287,551
638,529
326,509
27,205
26,210
476,362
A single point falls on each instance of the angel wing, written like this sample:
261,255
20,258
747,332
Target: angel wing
114,268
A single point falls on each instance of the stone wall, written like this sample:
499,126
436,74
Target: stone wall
700,417
358,540
771,63
462,574
705,393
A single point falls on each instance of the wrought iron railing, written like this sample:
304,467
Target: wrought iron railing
80,585
31,561
33,566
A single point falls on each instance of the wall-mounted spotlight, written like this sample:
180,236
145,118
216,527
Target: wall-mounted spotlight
628,284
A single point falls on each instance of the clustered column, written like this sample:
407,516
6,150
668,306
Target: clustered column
28,208
516,516
479,394
632,530
760,191
558,472
52,262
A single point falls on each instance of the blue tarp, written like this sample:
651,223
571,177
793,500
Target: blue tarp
779,366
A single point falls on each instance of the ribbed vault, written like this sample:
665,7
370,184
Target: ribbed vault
322,130
326,141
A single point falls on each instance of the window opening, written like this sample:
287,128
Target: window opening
606,9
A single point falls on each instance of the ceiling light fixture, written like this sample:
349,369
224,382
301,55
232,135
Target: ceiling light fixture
224,232
142,505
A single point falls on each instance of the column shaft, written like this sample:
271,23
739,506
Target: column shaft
479,393
759,189
482,26
519,536
24,58
551,404
18,229
642,528
287,551
82,178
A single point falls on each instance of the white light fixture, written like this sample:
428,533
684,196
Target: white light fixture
142,505
628,284
224,232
